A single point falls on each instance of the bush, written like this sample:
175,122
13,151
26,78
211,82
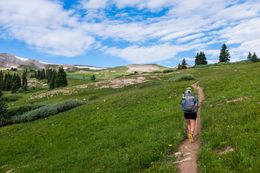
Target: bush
168,70
11,98
182,77
43,112
23,109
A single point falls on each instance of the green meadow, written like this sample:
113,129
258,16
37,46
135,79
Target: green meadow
129,129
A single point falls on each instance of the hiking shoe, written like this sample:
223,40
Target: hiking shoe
190,136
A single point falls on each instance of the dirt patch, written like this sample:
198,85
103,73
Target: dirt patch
52,93
116,83
227,149
120,83
187,152
142,68
237,99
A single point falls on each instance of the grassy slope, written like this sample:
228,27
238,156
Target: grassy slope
125,133
130,130
230,124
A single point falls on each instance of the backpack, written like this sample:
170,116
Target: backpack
188,103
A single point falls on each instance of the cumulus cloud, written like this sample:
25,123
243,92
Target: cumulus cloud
44,25
94,4
139,54
190,25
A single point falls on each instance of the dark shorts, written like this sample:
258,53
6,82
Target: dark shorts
192,116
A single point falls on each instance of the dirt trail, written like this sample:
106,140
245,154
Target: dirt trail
187,154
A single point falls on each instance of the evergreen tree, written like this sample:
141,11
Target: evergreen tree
93,78
42,74
254,58
16,83
249,56
38,74
200,59
179,66
3,106
52,79
7,82
224,54
184,64
24,80
61,78
48,74
1,80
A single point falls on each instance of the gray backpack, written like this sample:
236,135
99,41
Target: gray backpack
188,103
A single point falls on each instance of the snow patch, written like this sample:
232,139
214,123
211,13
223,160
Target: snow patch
21,58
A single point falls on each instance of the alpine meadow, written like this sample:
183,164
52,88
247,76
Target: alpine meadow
136,128
129,86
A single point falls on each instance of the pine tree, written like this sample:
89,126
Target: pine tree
179,66
24,80
61,79
3,106
42,74
197,59
249,56
7,82
93,78
200,59
254,58
184,64
52,79
1,80
38,75
16,83
48,74
224,54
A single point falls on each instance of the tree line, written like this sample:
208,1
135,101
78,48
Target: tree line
54,78
224,57
13,82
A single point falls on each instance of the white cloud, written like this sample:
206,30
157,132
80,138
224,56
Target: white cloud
44,25
138,54
189,25
94,4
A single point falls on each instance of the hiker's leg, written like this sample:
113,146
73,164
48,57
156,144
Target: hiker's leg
192,126
188,126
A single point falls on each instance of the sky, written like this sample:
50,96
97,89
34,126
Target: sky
108,33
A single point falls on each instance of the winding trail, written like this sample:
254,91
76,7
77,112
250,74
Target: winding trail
187,153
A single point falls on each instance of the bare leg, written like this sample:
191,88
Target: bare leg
192,126
188,126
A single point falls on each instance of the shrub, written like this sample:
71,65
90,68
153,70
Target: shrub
23,109
182,77
11,98
69,104
43,112
168,70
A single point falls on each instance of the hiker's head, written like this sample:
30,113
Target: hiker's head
188,91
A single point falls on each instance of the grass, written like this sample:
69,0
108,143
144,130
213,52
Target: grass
129,129
230,124
115,135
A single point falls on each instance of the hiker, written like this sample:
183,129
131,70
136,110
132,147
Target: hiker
190,109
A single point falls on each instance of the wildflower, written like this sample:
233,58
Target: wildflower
170,145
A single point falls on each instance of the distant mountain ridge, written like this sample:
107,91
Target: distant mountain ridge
12,61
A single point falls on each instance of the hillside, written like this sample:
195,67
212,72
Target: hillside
137,127
13,61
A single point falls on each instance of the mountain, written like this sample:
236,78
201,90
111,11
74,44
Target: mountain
12,61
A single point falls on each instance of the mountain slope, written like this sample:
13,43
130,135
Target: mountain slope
9,61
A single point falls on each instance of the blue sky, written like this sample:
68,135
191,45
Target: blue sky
119,32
